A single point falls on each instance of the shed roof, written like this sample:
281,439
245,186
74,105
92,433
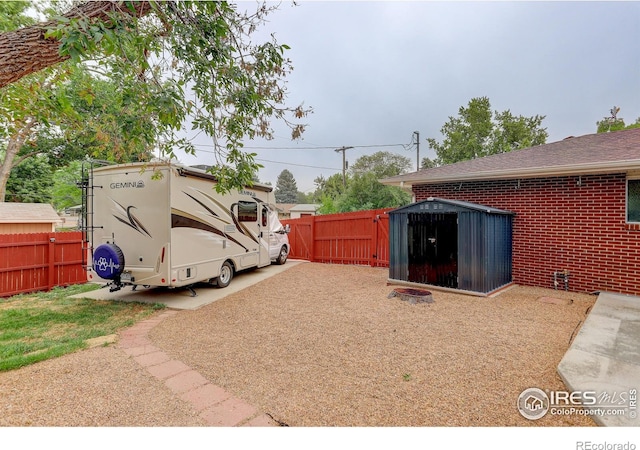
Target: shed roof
456,204
284,207
613,152
28,213
305,207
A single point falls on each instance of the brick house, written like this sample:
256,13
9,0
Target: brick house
576,205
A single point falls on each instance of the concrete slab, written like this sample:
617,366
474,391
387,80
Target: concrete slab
180,298
605,358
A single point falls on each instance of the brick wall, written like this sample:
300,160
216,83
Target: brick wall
563,223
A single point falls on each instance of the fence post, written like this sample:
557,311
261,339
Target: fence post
312,256
374,239
52,261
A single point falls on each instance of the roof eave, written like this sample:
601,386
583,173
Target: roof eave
535,172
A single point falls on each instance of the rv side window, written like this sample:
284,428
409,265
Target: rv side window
264,216
247,211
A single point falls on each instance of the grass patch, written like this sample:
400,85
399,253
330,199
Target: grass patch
35,327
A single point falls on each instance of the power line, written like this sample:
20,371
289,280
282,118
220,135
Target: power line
286,163
299,165
312,148
307,148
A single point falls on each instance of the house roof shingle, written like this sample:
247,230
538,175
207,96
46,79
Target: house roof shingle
617,151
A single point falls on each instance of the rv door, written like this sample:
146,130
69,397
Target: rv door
251,214
265,260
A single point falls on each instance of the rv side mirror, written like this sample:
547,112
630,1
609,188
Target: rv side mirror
287,228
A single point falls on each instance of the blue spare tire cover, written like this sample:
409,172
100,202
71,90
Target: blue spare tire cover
108,261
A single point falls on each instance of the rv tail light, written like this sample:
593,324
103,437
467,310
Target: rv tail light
162,256
162,280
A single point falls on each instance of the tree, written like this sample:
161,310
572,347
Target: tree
13,14
428,163
32,48
475,133
31,181
382,164
286,188
172,60
65,191
66,113
331,187
363,190
613,123
366,192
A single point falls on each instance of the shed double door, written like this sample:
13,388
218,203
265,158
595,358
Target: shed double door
433,248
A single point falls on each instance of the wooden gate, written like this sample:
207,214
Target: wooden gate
358,238
40,261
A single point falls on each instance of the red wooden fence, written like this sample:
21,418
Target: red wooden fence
358,238
40,261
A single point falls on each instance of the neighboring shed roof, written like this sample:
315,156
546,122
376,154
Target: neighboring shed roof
284,207
28,213
305,207
617,151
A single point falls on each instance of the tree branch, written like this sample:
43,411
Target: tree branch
26,50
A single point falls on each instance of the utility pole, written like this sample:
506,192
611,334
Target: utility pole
417,135
344,164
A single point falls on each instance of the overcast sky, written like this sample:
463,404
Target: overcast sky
375,72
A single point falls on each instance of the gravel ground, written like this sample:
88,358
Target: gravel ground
322,345
101,386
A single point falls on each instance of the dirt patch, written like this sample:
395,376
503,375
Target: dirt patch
322,345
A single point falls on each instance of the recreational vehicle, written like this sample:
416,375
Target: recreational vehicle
164,224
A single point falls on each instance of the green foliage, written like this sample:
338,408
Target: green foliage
195,59
613,123
475,133
382,164
331,187
366,192
133,80
13,15
36,327
304,198
327,205
428,163
286,188
31,181
65,192
103,121
363,190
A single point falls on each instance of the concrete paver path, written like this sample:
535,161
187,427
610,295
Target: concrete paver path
216,406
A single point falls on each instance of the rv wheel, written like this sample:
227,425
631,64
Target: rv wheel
282,257
226,274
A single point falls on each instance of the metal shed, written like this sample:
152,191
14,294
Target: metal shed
451,244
